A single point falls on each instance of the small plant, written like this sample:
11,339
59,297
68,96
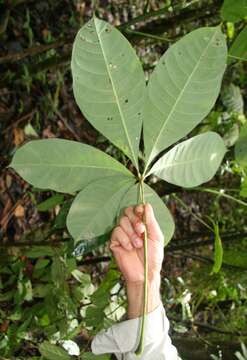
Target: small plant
243,355
110,89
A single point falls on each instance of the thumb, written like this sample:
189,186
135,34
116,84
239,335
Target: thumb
153,229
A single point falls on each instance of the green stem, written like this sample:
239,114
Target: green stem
237,57
191,212
140,347
147,35
221,193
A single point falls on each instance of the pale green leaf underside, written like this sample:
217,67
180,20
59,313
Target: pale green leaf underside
183,88
192,162
95,208
241,147
63,165
109,84
161,212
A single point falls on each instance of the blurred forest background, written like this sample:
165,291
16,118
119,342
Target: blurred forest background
51,301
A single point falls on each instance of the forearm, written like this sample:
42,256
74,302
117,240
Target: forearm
135,297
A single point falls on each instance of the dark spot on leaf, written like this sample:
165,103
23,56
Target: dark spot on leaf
126,101
163,63
217,42
139,114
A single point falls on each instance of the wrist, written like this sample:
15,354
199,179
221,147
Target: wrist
135,292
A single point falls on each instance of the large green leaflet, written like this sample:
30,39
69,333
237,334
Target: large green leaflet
183,88
94,209
109,84
63,165
192,162
161,212
234,10
241,147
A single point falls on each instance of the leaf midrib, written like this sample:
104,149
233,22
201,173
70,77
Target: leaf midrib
65,166
116,97
180,163
179,97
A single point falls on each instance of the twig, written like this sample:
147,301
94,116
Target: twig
19,120
151,14
186,242
191,212
35,50
147,35
65,122
207,326
221,193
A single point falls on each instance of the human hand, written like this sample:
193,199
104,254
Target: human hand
127,244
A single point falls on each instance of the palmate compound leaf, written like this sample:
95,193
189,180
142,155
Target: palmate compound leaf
94,210
109,84
63,165
162,214
193,161
241,147
183,88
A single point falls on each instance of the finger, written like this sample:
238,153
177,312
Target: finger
139,211
153,229
131,215
139,226
129,230
120,238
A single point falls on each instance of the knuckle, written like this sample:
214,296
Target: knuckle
123,221
128,210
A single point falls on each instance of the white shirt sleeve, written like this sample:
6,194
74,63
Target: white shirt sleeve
122,339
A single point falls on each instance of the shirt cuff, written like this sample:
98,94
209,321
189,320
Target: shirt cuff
124,337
